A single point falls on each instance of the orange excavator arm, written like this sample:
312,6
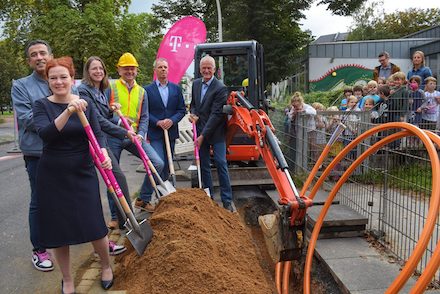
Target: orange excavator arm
256,124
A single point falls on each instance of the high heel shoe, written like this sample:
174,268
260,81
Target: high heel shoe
107,284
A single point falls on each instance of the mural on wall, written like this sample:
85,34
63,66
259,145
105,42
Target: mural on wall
338,77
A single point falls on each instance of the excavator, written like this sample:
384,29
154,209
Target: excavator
250,138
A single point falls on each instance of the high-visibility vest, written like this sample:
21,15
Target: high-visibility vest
130,100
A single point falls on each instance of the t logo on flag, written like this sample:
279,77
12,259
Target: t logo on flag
178,44
175,42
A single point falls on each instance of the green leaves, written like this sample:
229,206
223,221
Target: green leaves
80,29
371,22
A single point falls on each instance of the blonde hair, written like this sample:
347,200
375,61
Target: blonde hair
400,75
297,96
318,106
430,79
352,97
372,84
332,108
421,54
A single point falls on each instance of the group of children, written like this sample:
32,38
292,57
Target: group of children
397,99
393,100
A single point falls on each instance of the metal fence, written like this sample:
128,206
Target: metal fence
391,188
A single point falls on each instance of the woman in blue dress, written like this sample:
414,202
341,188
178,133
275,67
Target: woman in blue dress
67,184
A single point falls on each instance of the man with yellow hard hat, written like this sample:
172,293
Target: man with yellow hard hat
132,100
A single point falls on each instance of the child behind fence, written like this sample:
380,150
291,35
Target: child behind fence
429,108
415,101
321,124
338,145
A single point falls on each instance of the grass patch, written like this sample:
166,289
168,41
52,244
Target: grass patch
414,178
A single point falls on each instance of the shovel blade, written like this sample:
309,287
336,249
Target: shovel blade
140,240
165,188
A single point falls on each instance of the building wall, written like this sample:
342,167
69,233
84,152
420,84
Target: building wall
327,74
334,65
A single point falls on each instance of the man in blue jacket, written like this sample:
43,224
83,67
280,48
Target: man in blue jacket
25,92
166,109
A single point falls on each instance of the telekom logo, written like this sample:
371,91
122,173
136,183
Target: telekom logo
175,42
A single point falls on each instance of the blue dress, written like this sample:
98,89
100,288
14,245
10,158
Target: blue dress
67,187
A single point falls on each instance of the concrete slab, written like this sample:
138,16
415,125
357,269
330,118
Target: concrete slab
320,198
344,248
363,273
338,215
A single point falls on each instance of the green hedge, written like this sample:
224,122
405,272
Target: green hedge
326,98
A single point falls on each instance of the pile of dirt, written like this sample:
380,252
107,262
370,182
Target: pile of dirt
198,247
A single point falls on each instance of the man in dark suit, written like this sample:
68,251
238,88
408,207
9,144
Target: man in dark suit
166,108
208,97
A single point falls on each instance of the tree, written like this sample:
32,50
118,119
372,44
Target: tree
372,23
274,23
84,28
12,67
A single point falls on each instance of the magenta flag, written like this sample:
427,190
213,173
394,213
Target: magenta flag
178,46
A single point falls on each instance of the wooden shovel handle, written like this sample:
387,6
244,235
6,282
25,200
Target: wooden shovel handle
168,148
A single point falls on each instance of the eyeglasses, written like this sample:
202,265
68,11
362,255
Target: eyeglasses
382,60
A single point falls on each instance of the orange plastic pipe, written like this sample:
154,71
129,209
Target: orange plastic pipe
286,276
327,204
278,267
315,169
434,263
336,134
432,215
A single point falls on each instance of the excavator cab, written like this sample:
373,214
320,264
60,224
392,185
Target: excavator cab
236,62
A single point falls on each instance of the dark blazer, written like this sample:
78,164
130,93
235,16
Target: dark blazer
212,120
174,110
103,113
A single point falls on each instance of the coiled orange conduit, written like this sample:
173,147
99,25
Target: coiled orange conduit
432,213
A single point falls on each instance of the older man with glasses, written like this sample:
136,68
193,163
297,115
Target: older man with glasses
386,68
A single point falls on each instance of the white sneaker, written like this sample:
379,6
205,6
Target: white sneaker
41,261
115,249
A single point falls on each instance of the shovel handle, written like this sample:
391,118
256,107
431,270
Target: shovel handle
196,154
94,142
149,167
168,148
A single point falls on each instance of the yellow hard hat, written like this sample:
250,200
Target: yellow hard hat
245,82
127,59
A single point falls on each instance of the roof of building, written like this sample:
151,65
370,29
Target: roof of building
432,32
338,37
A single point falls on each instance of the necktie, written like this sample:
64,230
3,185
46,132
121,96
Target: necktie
204,89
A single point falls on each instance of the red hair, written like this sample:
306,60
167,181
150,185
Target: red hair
64,61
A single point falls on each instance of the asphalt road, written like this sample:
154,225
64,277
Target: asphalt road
17,274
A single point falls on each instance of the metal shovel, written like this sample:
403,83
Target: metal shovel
164,187
169,156
139,234
197,156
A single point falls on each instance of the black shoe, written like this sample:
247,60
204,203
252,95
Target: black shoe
107,284
228,206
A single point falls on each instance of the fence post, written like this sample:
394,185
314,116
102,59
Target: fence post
16,148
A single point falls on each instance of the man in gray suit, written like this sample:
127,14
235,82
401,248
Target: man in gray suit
208,97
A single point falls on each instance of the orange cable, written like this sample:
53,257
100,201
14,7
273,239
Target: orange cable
432,214
432,267
278,267
286,276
